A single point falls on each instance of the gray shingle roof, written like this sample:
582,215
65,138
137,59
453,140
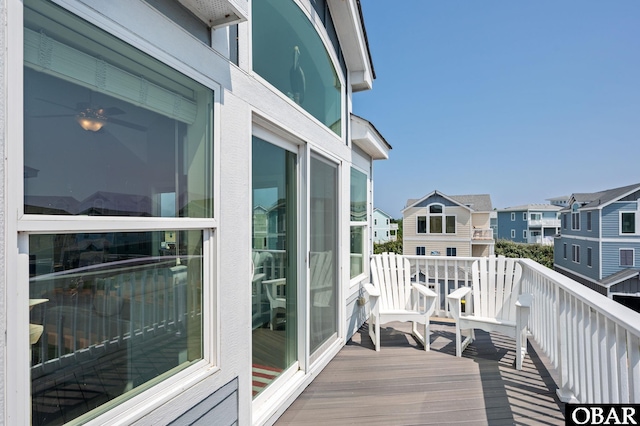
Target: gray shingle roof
478,202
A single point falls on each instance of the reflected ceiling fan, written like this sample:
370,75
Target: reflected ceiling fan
92,117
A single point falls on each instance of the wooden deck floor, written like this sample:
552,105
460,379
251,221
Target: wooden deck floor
404,385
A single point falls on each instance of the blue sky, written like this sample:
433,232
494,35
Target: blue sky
523,100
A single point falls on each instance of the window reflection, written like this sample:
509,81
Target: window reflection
111,314
289,53
108,130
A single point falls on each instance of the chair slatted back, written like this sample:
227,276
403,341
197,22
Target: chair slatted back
391,274
496,287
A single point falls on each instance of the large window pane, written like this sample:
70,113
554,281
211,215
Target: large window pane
323,284
274,296
111,314
289,53
109,130
628,223
358,196
357,251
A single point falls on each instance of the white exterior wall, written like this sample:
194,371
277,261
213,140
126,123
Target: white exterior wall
381,227
244,99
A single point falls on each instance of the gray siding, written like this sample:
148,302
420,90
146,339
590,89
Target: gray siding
435,199
611,217
505,225
218,409
579,268
611,257
628,286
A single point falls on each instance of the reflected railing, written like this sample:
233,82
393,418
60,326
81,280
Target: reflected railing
592,341
108,328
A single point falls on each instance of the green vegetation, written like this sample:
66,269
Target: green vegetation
541,254
390,246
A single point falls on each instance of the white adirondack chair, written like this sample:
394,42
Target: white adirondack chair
492,303
393,297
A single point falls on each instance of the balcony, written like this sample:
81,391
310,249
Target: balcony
583,347
482,234
547,223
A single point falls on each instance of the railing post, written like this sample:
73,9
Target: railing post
564,391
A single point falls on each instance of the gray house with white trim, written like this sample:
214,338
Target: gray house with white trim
599,243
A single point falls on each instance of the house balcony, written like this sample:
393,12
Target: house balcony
583,347
483,234
547,223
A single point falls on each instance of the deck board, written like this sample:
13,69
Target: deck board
404,385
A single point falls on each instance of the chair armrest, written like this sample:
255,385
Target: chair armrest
455,301
371,290
459,293
426,292
524,300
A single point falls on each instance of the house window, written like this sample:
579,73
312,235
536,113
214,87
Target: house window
524,234
589,254
575,217
375,233
513,233
420,251
422,224
437,219
575,253
513,216
627,257
387,221
281,30
112,132
358,222
452,251
564,251
564,221
375,221
524,216
627,222
535,216
589,221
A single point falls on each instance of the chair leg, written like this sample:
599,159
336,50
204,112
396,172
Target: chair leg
521,347
377,332
458,341
427,336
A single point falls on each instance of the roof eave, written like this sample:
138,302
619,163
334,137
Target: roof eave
349,24
366,137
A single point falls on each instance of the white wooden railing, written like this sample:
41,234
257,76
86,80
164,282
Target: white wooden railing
591,340
482,234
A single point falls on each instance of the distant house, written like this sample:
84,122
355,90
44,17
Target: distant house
383,229
562,201
599,245
530,223
448,225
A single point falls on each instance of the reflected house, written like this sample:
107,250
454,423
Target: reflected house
180,169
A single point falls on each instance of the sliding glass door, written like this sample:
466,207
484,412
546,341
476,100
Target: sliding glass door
274,257
323,252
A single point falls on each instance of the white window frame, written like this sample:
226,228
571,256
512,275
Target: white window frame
589,257
589,219
575,253
636,219
564,251
575,217
444,217
18,402
366,230
513,233
524,216
633,256
513,216
426,224
524,234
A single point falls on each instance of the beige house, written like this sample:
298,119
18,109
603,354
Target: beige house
448,225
